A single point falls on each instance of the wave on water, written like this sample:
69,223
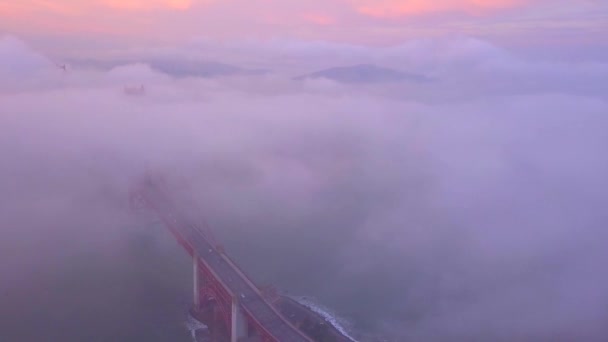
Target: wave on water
193,325
333,319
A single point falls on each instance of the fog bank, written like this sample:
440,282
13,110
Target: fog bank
469,209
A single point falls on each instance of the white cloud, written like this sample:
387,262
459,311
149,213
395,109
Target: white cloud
18,61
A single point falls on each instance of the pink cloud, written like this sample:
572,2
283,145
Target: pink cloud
89,16
353,21
401,8
71,7
148,4
318,19
63,7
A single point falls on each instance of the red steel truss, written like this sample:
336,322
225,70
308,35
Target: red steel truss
221,281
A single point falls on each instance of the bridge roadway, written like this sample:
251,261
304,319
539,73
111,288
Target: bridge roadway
247,294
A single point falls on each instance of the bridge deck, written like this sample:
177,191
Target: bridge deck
249,297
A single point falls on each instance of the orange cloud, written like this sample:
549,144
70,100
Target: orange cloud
7,9
87,16
148,4
77,7
401,8
65,7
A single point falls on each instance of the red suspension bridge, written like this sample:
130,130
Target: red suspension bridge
242,311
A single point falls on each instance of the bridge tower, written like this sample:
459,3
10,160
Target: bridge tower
196,286
205,300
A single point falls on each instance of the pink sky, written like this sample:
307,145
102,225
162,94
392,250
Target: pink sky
348,21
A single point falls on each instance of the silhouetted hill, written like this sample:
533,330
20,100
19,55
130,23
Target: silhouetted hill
200,69
365,73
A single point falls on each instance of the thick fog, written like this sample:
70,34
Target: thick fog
469,208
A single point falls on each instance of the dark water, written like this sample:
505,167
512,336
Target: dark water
92,297
140,293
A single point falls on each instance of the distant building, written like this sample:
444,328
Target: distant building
135,91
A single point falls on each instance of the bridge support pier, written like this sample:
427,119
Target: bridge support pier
196,283
239,327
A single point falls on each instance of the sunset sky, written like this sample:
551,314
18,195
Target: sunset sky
559,23
427,170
